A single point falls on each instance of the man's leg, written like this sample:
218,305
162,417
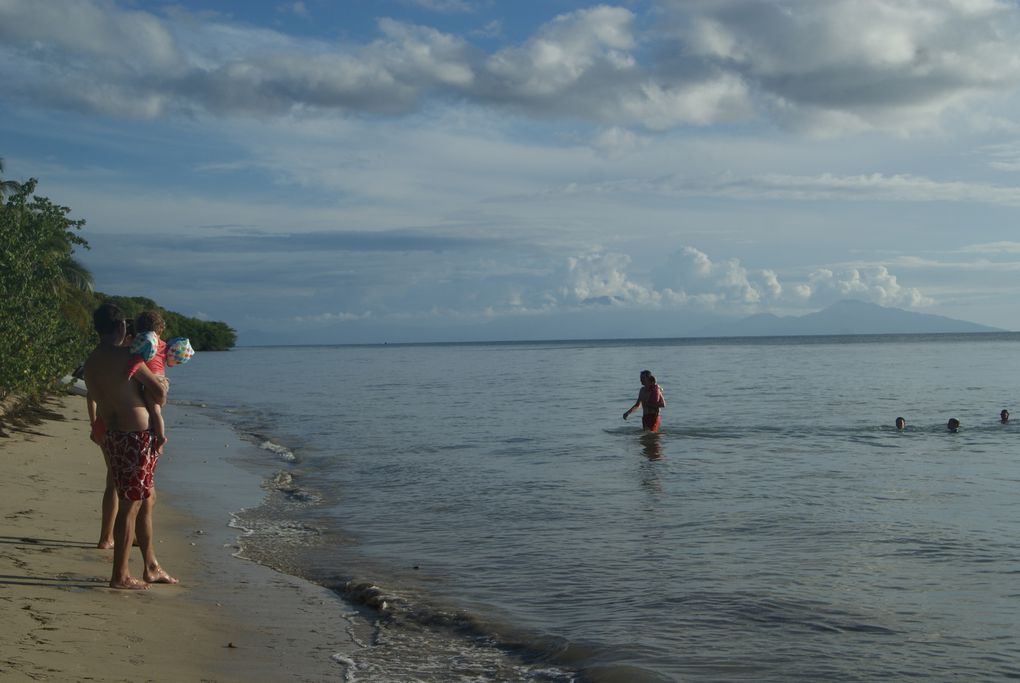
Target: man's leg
153,572
110,501
123,534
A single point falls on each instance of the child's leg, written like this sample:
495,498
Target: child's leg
155,420
158,426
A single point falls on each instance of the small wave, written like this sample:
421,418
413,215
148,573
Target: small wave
279,449
347,663
532,653
186,403
277,529
284,483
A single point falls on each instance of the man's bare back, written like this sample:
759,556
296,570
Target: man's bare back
119,401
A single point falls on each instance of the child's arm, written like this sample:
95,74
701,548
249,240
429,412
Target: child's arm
153,386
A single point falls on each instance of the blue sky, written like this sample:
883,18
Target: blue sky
423,170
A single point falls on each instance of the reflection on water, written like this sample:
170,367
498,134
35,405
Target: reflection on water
651,445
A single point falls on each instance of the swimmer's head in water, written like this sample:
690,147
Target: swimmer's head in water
901,423
1004,415
953,425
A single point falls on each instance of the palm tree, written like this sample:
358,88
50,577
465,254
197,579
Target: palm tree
74,277
77,276
7,186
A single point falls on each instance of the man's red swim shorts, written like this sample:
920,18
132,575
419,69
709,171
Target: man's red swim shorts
133,461
651,422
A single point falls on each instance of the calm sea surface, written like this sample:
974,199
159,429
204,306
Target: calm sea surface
778,529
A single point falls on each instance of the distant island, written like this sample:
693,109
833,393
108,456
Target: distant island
843,318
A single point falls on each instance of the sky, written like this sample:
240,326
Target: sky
363,171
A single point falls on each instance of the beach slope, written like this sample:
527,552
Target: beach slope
61,622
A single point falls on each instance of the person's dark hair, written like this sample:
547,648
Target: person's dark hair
953,424
651,378
646,373
106,318
149,321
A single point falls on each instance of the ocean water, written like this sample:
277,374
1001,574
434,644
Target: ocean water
490,505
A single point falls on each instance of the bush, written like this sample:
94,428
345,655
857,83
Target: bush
37,345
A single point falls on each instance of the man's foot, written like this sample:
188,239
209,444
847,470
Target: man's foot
129,583
105,545
158,575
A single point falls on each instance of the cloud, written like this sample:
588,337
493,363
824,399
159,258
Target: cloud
1004,247
298,8
855,64
442,6
565,52
870,187
602,278
874,284
332,317
903,67
690,276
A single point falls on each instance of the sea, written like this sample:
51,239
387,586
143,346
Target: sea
490,507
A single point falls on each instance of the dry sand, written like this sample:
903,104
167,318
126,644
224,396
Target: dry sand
229,620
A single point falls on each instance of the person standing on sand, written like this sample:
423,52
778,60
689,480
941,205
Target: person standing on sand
650,399
113,381
97,435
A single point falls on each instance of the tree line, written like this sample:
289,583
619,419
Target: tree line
47,296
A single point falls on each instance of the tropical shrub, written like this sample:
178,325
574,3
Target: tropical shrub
41,333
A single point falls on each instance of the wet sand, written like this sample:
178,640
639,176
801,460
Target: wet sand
228,620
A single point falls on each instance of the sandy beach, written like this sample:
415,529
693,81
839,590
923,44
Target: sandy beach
228,620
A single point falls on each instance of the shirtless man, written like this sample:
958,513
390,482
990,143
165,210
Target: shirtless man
113,383
650,400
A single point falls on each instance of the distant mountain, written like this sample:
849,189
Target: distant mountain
844,317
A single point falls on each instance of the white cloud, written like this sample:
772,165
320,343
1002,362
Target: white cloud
1004,247
874,284
602,278
615,142
690,275
443,6
126,41
298,8
856,63
902,68
721,99
870,187
571,47
332,317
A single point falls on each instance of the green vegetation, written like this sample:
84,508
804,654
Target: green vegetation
204,335
46,296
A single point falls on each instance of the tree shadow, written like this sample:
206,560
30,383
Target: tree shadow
58,581
22,418
45,542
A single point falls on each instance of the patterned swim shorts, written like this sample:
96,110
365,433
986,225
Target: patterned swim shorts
133,461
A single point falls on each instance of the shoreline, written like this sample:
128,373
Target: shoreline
229,620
